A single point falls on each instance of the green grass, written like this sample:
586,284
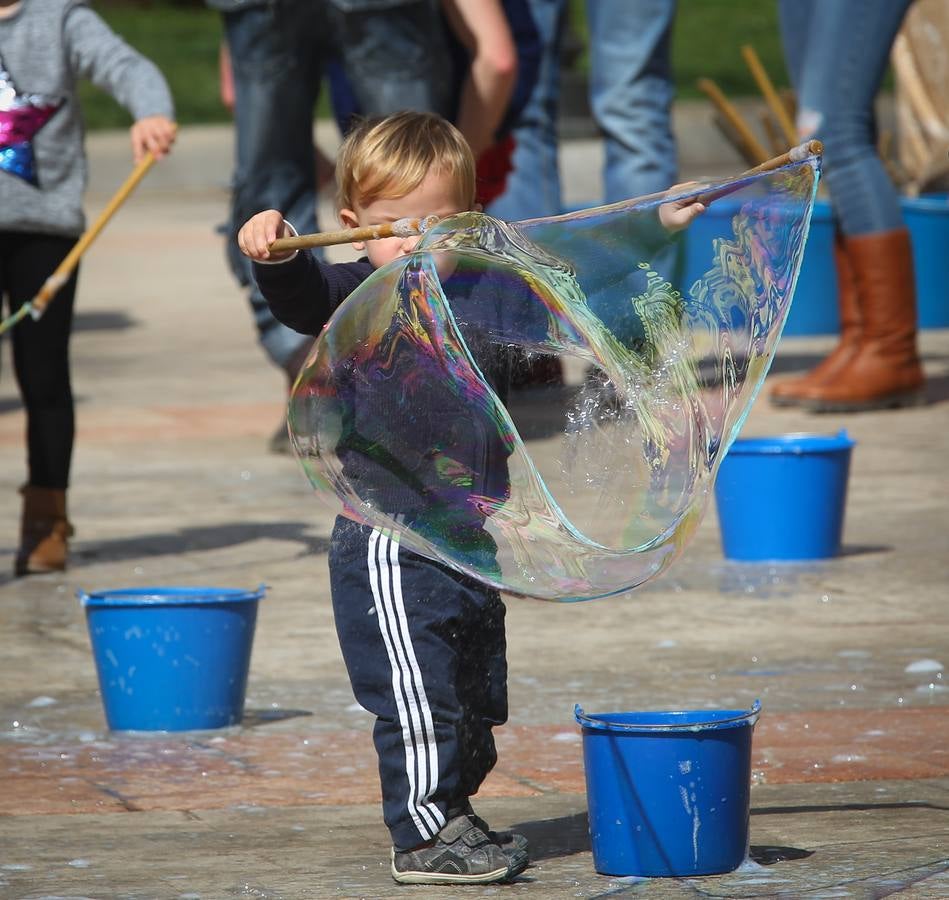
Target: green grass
707,39
183,41
706,42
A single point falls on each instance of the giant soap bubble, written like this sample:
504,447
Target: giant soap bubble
402,414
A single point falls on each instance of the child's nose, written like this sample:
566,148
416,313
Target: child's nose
409,243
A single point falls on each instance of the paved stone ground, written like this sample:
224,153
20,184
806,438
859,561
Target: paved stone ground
173,485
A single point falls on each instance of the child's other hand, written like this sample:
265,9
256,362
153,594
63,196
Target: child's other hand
155,133
259,232
679,214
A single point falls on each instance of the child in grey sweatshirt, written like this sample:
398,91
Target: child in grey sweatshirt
46,46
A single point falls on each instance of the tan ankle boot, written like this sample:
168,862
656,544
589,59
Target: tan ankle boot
44,531
885,370
793,391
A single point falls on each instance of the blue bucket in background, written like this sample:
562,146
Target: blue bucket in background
783,497
668,792
814,308
172,658
927,219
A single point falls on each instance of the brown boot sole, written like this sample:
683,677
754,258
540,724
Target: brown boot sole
785,401
890,401
30,566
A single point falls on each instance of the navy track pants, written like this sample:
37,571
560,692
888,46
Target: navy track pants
425,650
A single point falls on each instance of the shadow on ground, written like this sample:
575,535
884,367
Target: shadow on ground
202,538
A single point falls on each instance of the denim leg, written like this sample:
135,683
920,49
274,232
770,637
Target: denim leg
844,51
533,186
395,57
276,57
631,93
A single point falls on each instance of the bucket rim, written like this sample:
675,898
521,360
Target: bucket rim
793,443
937,201
168,595
731,718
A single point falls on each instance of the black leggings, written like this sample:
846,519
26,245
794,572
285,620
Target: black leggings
41,351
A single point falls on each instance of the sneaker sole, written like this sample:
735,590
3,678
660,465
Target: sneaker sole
448,877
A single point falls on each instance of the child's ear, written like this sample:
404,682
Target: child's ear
349,219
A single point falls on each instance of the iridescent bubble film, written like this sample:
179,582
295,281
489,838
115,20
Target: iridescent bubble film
403,417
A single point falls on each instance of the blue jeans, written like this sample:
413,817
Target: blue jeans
837,54
631,94
276,59
279,50
533,186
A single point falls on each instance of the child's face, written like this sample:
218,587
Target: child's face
436,195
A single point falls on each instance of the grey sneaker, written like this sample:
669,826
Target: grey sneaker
509,841
461,854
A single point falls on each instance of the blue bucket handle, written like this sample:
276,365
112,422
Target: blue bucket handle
749,716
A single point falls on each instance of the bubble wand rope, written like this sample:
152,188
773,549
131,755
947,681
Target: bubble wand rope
38,304
400,228
410,227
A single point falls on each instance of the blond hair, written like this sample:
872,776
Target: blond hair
389,158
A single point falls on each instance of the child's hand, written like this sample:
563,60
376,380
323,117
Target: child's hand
259,232
155,133
679,214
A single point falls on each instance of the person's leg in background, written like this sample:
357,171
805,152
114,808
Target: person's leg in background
837,55
276,53
394,56
41,364
532,188
533,185
631,94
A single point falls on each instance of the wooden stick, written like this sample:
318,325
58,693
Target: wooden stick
771,130
770,94
794,155
730,135
63,270
51,286
401,228
747,137
789,101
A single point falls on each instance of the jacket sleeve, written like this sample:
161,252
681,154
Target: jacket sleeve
99,54
303,292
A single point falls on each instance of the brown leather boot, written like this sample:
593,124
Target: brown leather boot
885,370
793,391
44,531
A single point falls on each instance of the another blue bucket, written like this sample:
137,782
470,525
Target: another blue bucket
927,219
783,498
172,658
668,792
814,309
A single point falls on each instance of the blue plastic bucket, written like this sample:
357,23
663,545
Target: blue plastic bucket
927,219
172,658
668,792
814,308
783,497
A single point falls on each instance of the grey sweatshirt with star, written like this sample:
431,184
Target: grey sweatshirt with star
46,47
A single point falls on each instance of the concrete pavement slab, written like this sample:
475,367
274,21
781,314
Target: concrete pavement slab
173,485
